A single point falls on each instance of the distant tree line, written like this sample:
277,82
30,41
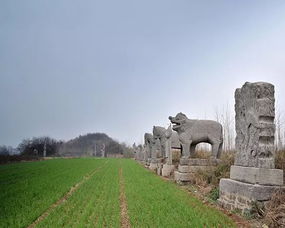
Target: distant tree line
37,145
7,150
92,144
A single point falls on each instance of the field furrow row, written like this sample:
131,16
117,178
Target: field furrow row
39,185
94,204
105,193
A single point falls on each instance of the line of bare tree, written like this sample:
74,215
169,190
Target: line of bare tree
227,119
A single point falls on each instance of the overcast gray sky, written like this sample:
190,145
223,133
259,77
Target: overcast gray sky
120,67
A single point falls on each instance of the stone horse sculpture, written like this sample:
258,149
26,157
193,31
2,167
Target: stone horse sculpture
192,132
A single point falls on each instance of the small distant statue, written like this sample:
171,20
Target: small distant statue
36,152
103,152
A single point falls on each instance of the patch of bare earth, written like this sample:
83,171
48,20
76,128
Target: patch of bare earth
65,197
125,220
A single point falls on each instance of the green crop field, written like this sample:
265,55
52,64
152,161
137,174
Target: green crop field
91,192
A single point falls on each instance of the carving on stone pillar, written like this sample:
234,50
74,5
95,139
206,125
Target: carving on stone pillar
255,126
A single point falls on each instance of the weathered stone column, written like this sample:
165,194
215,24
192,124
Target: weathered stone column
103,152
253,176
147,141
145,159
168,167
151,146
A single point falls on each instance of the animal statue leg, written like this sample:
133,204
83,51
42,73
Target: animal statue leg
220,150
186,150
192,150
215,150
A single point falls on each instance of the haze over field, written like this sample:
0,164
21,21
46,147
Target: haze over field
120,67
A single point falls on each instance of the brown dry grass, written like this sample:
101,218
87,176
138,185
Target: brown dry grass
275,210
213,175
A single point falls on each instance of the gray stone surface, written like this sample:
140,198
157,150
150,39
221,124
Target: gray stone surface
193,169
192,132
239,195
139,152
199,162
253,178
183,177
175,143
163,135
159,169
167,170
152,146
168,139
148,143
257,175
255,126
188,167
153,166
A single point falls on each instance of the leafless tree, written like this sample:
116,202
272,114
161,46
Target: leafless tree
226,118
280,131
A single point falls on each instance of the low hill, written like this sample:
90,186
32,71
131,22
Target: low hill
92,144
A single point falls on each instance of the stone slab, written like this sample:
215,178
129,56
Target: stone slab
199,162
153,166
182,177
167,170
250,191
239,195
159,169
192,169
254,175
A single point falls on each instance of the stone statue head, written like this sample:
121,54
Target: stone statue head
148,138
158,132
168,132
178,121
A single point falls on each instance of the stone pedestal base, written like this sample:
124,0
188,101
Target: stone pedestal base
248,185
182,178
156,165
167,170
199,162
147,162
238,195
254,175
188,168
153,166
159,168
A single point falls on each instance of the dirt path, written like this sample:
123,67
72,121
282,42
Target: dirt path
66,196
125,220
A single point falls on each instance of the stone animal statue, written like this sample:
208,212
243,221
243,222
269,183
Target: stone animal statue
192,132
159,133
167,138
148,138
152,145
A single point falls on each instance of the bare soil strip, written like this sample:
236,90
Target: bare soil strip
65,197
125,220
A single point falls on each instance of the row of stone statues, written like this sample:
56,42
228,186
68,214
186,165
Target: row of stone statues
253,176
185,135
